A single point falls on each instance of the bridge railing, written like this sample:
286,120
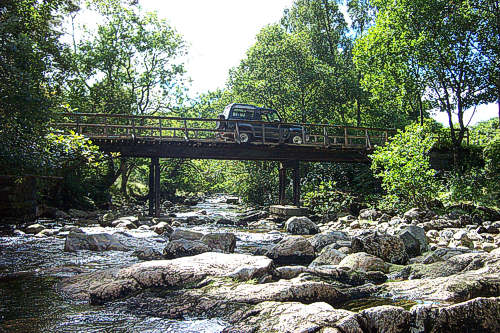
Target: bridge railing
119,126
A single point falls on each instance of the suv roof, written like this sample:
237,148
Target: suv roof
229,107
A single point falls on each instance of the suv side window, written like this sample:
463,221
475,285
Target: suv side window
242,114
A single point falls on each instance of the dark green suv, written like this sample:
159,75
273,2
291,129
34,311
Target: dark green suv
257,124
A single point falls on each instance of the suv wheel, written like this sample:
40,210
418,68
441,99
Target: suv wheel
297,139
245,137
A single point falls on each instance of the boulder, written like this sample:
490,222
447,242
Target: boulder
355,225
184,248
385,318
292,250
414,239
94,242
48,233
148,253
364,262
488,247
126,225
232,200
198,220
440,224
460,238
275,317
76,213
34,228
415,214
328,256
411,244
220,242
445,253
252,217
106,219
185,234
319,241
301,226
70,228
369,214
162,228
102,286
384,218
225,221
347,219
290,272
287,210
491,229
477,315
59,214
456,280
388,248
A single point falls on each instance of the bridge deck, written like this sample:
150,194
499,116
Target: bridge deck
174,137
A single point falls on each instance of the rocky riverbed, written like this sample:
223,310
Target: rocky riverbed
213,266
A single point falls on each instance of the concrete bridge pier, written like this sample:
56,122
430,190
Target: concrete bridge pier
154,187
284,166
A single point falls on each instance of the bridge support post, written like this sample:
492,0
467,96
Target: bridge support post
294,165
151,193
296,184
157,186
282,185
154,187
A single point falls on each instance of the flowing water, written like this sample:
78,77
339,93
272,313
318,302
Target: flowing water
31,266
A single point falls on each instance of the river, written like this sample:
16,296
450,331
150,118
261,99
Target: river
30,267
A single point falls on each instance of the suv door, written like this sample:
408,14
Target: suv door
272,126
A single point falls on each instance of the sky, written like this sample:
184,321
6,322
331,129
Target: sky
218,33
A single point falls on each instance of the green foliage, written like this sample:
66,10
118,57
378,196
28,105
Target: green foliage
130,64
332,188
280,72
82,168
492,168
328,200
465,187
31,72
403,165
484,131
426,49
255,182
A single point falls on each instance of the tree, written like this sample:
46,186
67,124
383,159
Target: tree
131,66
326,28
362,14
489,41
31,71
280,72
435,44
392,75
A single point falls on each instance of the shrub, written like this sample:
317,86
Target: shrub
404,167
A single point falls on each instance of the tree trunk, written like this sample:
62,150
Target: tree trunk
358,116
421,110
125,174
498,102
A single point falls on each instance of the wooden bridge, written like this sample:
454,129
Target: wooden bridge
175,137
